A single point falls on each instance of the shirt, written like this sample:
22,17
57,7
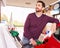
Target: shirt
34,25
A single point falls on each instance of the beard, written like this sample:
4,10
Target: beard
38,10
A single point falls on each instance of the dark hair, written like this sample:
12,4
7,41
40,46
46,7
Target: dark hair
43,4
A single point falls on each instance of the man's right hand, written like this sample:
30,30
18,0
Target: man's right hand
33,42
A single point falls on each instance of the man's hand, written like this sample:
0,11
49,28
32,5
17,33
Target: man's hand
33,42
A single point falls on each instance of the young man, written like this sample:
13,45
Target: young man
35,23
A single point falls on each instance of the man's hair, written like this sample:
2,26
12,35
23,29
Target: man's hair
43,4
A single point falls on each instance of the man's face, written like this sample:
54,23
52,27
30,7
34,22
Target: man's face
39,7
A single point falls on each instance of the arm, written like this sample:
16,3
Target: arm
53,27
26,28
53,20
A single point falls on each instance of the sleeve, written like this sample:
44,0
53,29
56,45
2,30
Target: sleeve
53,20
26,28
